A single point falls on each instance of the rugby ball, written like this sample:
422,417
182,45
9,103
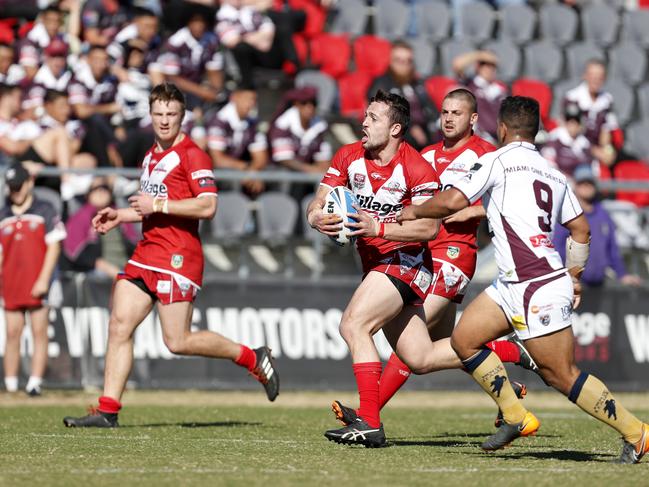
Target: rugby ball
340,201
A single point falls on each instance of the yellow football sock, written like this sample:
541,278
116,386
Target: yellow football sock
591,395
488,371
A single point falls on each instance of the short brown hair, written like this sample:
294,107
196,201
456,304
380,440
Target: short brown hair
466,95
399,108
167,92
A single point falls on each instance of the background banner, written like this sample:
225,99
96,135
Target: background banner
299,322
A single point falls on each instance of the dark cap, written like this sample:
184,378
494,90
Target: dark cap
303,95
16,176
56,47
572,112
584,174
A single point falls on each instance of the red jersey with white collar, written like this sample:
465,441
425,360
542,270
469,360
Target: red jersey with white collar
171,244
382,191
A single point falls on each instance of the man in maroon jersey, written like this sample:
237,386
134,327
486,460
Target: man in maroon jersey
30,243
177,190
453,253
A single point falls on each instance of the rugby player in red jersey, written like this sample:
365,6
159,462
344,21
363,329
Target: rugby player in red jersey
177,190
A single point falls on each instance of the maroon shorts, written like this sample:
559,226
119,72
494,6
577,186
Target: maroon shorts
165,287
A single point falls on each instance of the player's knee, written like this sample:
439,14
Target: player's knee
176,345
119,329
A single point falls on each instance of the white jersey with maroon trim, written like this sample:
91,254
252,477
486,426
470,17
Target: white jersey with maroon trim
524,197
382,190
171,244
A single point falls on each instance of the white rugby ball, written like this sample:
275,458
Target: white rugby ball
340,201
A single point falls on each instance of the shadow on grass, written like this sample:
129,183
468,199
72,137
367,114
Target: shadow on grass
573,456
212,424
447,444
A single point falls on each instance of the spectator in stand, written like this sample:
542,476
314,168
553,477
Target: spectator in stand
30,237
192,60
234,140
253,38
488,90
10,73
101,20
48,27
144,27
400,78
567,147
599,120
604,252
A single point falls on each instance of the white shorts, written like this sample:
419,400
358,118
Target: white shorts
536,307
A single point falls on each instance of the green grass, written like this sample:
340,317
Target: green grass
203,443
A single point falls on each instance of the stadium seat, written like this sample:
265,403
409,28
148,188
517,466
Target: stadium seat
509,58
391,18
558,23
425,56
6,31
623,99
478,20
352,89
544,61
634,27
643,100
600,23
277,214
230,222
331,53
316,16
637,141
517,23
541,92
51,196
372,54
302,51
432,20
578,54
438,86
325,85
559,91
449,50
351,18
628,62
632,171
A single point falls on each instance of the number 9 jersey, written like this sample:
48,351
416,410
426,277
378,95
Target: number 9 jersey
524,197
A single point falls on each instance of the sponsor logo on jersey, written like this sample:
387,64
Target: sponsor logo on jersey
394,187
359,180
457,167
473,169
206,182
368,203
377,177
153,189
202,173
8,229
544,307
544,319
541,240
177,261
452,252
566,311
163,287
518,322
423,279
443,160
33,226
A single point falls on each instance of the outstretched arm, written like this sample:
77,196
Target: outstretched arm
439,206
199,208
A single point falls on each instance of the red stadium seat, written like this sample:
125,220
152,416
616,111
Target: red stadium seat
437,87
541,92
24,29
6,31
632,171
316,16
372,54
302,49
352,88
331,53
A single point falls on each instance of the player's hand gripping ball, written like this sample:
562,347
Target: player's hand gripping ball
340,201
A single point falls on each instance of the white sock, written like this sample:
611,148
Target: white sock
33,383
11,384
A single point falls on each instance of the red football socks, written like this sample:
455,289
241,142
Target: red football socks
506,351
368,375
394,375
109,405
246,358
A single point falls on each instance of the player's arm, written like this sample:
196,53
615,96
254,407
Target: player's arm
108,218
322,222
472,212
201,207
439,206
577,250
420,230
42,284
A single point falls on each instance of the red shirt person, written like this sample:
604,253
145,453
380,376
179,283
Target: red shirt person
177,190
30,238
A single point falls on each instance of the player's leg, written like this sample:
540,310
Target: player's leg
554,354
15,322
175,319
39,323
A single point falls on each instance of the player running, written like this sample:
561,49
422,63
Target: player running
534,293
177,190
453,252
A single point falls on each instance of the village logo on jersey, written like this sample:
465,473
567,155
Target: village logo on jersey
452,252
359,181
176,261
541,240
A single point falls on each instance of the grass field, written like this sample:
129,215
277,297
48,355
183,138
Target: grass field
201,438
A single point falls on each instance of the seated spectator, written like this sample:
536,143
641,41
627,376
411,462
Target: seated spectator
144,27
10,73
604,252
488,90
101,20
234,140
297,135
49,26
191,59
253,38
596,105
401,78
567,147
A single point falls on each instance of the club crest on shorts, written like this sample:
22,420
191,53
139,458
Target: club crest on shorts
452,252
544,319
176,261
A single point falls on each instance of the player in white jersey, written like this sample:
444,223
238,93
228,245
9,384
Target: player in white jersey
533,294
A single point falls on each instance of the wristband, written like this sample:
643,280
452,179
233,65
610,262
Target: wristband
160,205
381,230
